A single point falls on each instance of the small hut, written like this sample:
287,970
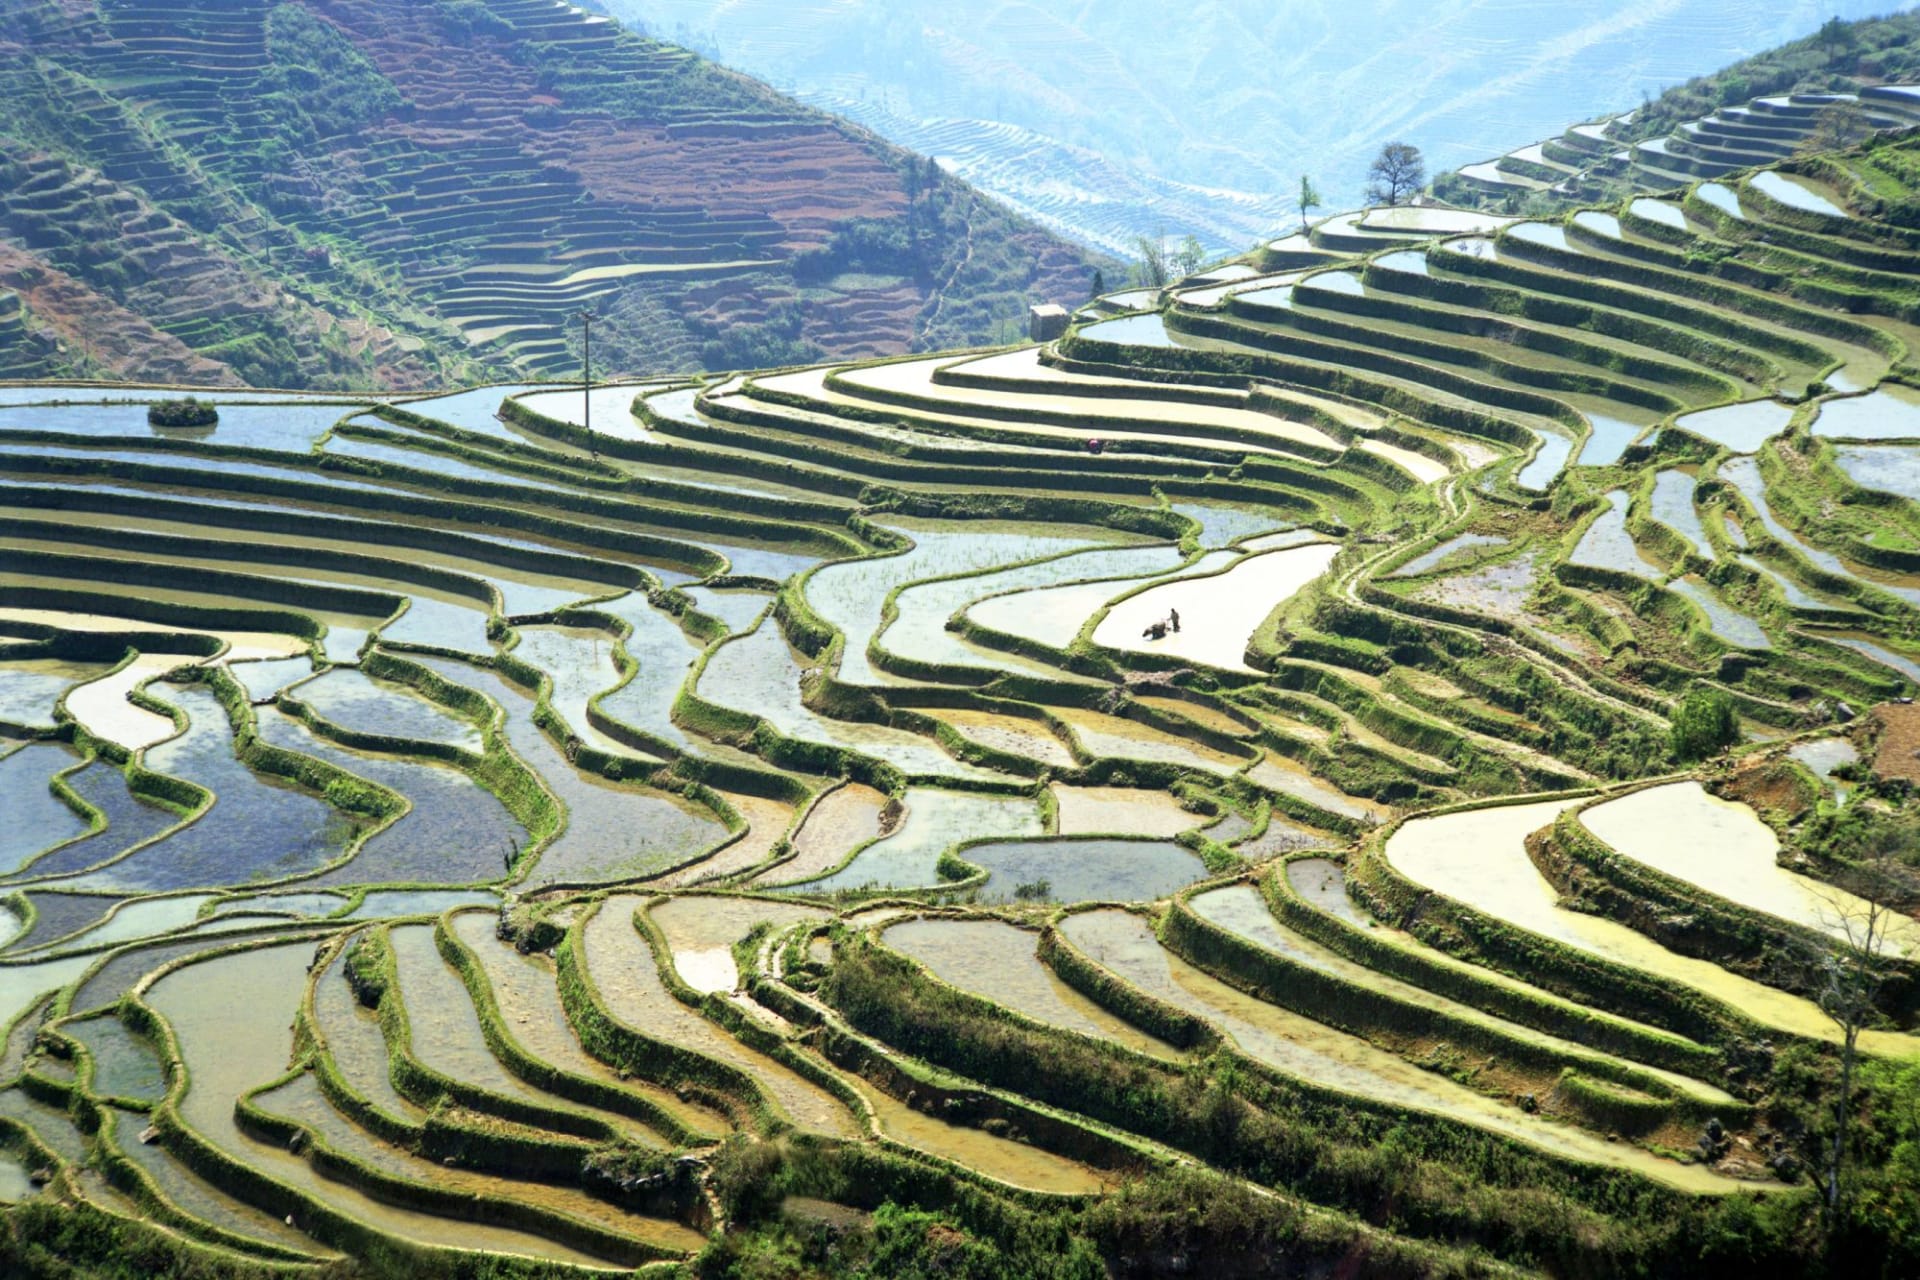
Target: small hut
1046,322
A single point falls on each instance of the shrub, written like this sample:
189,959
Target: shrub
366,969
1704,723
187,412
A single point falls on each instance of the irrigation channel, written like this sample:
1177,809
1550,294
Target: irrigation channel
428,827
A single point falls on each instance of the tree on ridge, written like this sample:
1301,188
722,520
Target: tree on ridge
1395,174
1189,257
1307,201
1837,127
1853,971
1153,260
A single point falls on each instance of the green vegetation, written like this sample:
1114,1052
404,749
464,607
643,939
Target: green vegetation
186,412
832,821
1702,724
1826,92
1836,58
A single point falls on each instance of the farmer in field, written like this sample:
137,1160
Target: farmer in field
1095,445
1173,619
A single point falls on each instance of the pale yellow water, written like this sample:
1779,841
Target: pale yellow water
992,958
234,1016
1213,718
1239,909
620,964
1123,739
1099,811
1014,1163
845,817
1418,465
767,822
1288,776
242,645
1309,1050
1322,885
1218,614
916,377
446,1034
1479,858
525,992
701,932
1029,738
1724,848
102,709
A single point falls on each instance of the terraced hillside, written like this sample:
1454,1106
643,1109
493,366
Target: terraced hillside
842,818
1823,91
408,195
1593,161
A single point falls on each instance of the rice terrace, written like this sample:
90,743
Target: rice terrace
1389,753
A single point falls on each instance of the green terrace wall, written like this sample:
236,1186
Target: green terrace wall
706,1080
1118,427
1284,1133
540,1073
1688,377
368,533
758,466
1522,1004
499,770
767,430
1711,296
1568,280
1500,299
1402,1025
1335,378
1176,1026
105,569
1342,354
142,542
611,480
694,559
1365,339
1470,935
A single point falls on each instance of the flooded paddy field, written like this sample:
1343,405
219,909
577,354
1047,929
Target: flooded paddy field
996,960
39,819
1725,849
31,688
1217,614
935,821
570,811
1083,869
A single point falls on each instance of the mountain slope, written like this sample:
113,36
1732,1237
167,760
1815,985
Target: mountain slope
1229,99
401,193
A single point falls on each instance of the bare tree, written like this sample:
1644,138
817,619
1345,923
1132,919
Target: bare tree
1307,200
1836,128
1852,973
1189,257
1153,260
1396,173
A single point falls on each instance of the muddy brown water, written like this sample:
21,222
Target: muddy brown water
621,965
232,1016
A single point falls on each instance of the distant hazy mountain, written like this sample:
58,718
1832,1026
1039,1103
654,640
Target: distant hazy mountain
1115,117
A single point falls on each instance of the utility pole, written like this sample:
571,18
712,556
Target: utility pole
586,380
